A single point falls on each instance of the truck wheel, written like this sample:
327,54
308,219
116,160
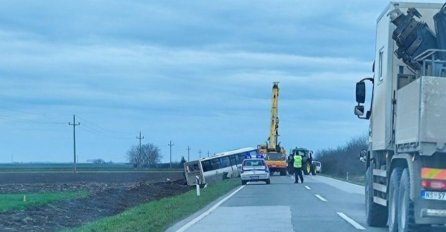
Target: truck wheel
243,182
268,181
376,214
283,172
307,168
406,216
394,184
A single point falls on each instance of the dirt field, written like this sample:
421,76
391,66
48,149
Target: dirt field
108,197
103,177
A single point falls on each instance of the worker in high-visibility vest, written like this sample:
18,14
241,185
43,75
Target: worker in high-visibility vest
298,168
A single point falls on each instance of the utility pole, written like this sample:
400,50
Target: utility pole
140,146
170,152
74,124
188,151
199,153
208,153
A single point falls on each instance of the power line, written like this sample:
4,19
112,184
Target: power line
102,130
74,124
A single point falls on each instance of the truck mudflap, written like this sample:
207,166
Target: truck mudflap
430,212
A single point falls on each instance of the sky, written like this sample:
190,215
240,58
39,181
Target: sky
197,73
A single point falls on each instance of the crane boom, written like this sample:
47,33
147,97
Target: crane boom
275,155
274,131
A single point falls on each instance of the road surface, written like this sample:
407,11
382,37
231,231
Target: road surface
320,204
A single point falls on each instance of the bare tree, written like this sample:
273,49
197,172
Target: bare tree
148,156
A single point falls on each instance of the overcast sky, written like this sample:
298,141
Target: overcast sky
198,73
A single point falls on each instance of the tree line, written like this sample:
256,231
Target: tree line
344,159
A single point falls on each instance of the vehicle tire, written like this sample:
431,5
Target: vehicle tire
307,168
283,172
268,181
406,217
244,182
394,185
313,170
376,214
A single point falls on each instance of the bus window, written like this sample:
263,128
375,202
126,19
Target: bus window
233,160
224,162
241,157
215,163
206,165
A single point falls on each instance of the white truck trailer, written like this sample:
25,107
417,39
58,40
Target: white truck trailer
406,157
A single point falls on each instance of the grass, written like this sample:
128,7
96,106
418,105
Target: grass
158,215
16,200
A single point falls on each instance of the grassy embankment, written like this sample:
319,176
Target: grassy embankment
16,201
158,215
359,180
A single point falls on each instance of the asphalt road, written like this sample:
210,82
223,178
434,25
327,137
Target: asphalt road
320,204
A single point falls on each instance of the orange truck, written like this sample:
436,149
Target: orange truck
276,161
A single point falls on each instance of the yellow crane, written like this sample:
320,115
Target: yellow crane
274,131
275,155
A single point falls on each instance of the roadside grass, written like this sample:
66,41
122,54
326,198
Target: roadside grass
158,215
16,200
359,180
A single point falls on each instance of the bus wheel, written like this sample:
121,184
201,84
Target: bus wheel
243,182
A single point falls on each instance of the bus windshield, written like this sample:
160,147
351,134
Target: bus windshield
192,167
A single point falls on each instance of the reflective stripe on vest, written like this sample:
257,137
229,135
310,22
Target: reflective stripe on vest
297,161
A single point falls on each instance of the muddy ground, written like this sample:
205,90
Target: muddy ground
102,176
106,199
92,181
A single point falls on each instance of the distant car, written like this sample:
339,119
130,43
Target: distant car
318,166
254,170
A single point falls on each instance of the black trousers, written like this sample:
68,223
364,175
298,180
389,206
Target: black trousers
298,173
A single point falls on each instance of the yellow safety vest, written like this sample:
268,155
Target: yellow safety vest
297,161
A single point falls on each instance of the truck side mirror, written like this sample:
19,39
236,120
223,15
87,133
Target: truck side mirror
359,110
360,92
363,156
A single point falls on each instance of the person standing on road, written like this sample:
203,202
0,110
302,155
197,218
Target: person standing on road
298,168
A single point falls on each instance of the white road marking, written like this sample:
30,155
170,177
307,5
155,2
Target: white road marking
207,212
307,187
351,221
320,198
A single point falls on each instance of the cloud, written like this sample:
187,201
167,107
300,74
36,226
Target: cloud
197,72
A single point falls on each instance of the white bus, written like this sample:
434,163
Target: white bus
220,166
